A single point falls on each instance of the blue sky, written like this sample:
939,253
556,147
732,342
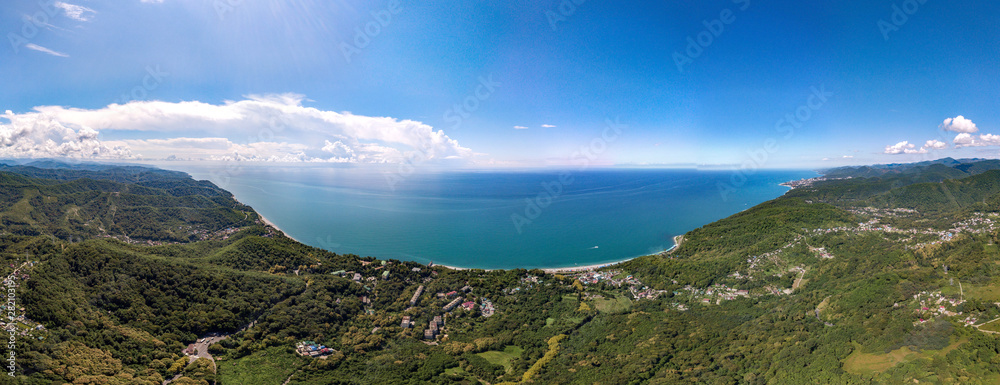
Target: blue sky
269,81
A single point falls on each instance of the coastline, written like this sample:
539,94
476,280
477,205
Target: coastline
271,224
678,239
552,270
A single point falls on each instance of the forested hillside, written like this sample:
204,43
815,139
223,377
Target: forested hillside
131,204
887,278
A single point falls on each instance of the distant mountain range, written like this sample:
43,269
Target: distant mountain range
945,167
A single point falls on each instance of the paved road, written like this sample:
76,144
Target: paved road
201,348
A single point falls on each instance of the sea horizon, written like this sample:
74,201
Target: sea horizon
485,219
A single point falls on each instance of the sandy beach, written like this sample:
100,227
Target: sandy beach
555,270
577,269
678,239
269,223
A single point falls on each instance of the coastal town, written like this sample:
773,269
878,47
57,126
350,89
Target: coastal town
429,314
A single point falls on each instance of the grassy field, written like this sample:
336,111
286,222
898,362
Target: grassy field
456,371
502,358
609,305
565,311
989,292
867,363
992,327
270,366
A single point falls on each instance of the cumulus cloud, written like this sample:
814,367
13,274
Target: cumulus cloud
935,145
904,147
548,126
969,140
75,12
44,137
220,149
959,124
520,128
990,139
272,128
963,140
848,157
39,48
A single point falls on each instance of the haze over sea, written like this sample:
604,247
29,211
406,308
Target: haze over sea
467,218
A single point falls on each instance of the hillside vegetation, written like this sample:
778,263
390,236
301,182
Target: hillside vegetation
883,277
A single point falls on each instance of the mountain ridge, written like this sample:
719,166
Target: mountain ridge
808,287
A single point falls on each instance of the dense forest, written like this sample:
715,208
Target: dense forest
882,274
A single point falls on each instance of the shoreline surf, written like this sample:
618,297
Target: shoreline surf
566,265
678,239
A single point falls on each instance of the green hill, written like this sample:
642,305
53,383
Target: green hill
877,279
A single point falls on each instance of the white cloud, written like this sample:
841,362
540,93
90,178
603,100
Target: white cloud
76,12
935,145
44,137
963,140
548,126
520,128
968,140
273,128
848,157
959,124
219,149
342,153
39,48
904,147
338,149
151,1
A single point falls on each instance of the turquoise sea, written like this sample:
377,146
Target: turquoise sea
495,219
